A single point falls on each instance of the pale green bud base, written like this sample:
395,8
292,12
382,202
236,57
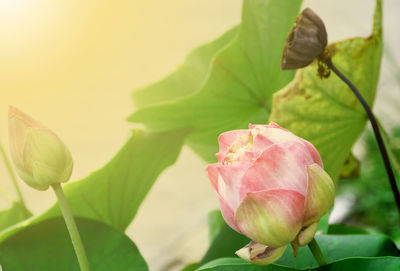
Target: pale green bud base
72,229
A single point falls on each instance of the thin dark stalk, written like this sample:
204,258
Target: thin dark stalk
377,133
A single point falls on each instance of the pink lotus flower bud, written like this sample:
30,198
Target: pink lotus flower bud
40,157
271,187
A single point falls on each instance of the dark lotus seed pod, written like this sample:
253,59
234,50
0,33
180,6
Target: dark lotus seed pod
306,41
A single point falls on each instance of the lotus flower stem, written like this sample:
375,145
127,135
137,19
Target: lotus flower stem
71,226
317,253
376,130
13,178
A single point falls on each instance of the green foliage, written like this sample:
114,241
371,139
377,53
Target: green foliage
187,78
368,208
16,213
326,112
114,193
190,267
323,224
47,246
334,247
370,264
225,244
230,264
345,229
350,264
239,87
351,168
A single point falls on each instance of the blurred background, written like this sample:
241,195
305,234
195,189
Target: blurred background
73,65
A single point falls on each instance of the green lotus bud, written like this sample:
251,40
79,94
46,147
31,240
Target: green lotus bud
40,157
